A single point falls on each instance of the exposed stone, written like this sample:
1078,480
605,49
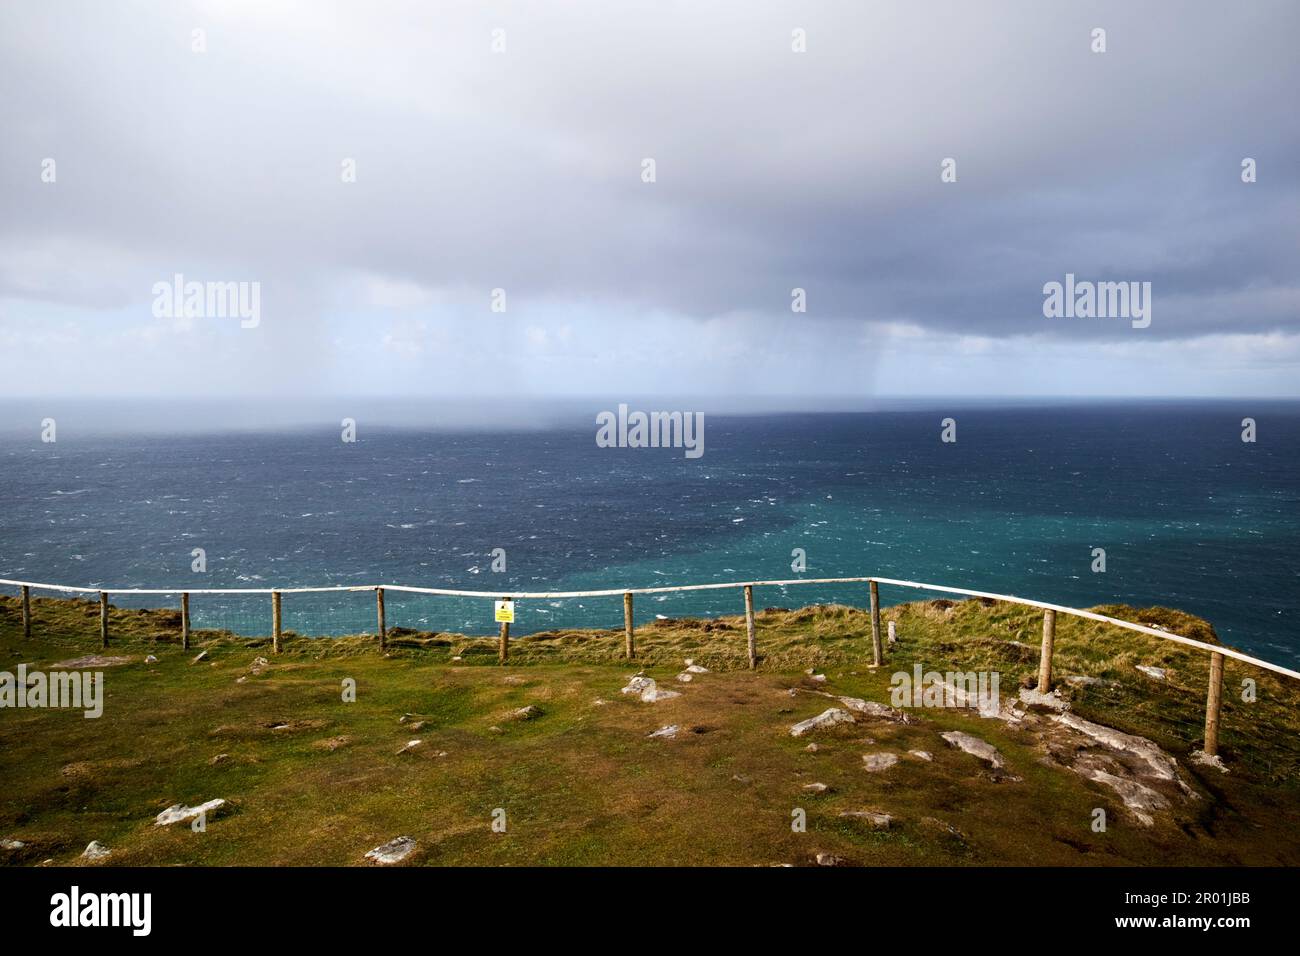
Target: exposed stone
685,678
812,748
988,706
922,755
1160,763
647,690
1155,673
975,747
9,844
829,859
1140,799
694,668
878,821
201,656
1051,700
529,712
1203,759
874,763
827,718
394,851
815,788
409,746
150,659
179,813
219,758
668,732
95,851
870,708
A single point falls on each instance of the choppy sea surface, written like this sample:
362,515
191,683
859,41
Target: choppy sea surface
1189,515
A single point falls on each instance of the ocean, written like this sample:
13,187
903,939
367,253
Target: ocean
1188,514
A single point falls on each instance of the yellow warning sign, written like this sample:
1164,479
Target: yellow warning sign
505,612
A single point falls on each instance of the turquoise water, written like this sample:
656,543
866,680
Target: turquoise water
1188,514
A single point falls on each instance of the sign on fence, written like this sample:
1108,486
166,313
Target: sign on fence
505,612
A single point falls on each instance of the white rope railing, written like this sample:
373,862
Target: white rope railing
1217,652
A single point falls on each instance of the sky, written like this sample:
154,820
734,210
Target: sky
502,147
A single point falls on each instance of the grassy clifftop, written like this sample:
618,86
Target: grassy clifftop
312,779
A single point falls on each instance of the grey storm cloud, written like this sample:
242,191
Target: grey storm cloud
775,170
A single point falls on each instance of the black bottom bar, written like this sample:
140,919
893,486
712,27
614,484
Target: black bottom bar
331,906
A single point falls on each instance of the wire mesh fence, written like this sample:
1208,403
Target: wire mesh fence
341,611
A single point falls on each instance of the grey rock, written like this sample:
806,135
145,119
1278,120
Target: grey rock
1052,700
874,763
827,718
975,747
1160,763
1140,799
869,708
878,821
1201,758
647,690
179,813
394,851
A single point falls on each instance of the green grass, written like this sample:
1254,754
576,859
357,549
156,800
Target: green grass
582,784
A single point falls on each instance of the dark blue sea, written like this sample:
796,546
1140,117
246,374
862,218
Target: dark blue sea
1189,515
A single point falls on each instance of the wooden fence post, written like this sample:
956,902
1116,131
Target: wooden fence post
275,621
27,612
877,652
1213,701
185,621
503,646
383,624
629,644
1045,655
749,627
103,619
